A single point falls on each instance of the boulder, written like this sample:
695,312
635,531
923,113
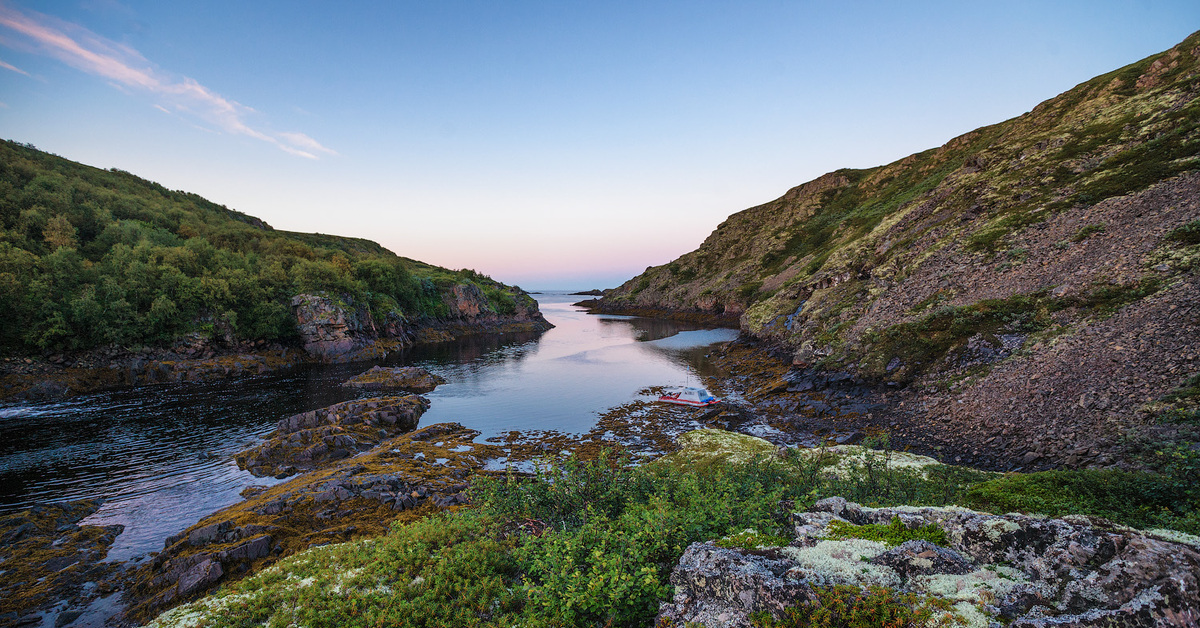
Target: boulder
407,378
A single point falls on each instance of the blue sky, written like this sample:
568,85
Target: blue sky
549,144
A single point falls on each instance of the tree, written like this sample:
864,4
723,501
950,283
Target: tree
59,233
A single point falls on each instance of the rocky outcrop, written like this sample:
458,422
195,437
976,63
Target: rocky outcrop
505,309
47,559
407,378
338,330
994,569
403,478
307,440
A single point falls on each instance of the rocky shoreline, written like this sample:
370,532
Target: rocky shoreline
328,330
355,468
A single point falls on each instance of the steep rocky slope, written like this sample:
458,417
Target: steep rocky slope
1033,283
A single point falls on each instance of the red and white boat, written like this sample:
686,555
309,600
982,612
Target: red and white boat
695,397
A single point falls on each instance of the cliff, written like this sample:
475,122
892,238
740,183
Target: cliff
1032,283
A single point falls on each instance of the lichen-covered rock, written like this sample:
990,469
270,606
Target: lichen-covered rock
998,569
306,440
408,378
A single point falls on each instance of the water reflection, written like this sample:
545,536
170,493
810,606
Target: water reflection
161,455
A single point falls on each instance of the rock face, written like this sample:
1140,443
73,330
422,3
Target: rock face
307,440
1048,244
48,559
407,378
1010,569
335,330
471,311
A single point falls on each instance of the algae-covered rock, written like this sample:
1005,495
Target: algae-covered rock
407,378
998,569
405,477
47,558
307,440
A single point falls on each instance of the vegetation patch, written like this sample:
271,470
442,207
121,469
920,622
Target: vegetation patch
751,539
1086,232
1136,498
892,534
1187,234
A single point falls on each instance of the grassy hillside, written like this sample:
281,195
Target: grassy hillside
807,267
90,257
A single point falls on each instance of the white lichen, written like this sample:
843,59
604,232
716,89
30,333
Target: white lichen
841,562
1174,536
981,585
995,528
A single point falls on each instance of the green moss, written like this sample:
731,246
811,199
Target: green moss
751,539
892,534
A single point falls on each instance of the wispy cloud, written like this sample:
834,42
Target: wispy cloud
82,49
9,66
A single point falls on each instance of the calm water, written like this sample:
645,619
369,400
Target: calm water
161,455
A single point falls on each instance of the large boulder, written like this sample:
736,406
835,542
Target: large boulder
1011,569
310,439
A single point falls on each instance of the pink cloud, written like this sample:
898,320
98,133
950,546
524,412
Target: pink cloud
84,50
9,66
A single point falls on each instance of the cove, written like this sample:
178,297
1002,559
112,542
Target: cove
161,455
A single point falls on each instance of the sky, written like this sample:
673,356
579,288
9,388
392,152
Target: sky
553,145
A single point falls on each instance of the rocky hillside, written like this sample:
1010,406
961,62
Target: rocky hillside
1033,283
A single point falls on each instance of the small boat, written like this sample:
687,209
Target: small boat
696,397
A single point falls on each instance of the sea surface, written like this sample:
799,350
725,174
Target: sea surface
161,456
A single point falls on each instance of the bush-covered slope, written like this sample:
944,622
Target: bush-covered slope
91,257
1058,245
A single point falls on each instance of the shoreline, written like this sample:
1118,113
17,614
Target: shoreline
65,375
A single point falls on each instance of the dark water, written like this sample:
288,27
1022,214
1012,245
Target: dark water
161,455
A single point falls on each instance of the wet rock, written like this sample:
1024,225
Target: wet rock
344,499
305,441
47,559
407,378
1075,571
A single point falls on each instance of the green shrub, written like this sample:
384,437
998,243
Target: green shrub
1086,232
1187,234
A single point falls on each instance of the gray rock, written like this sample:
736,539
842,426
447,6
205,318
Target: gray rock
1074,571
